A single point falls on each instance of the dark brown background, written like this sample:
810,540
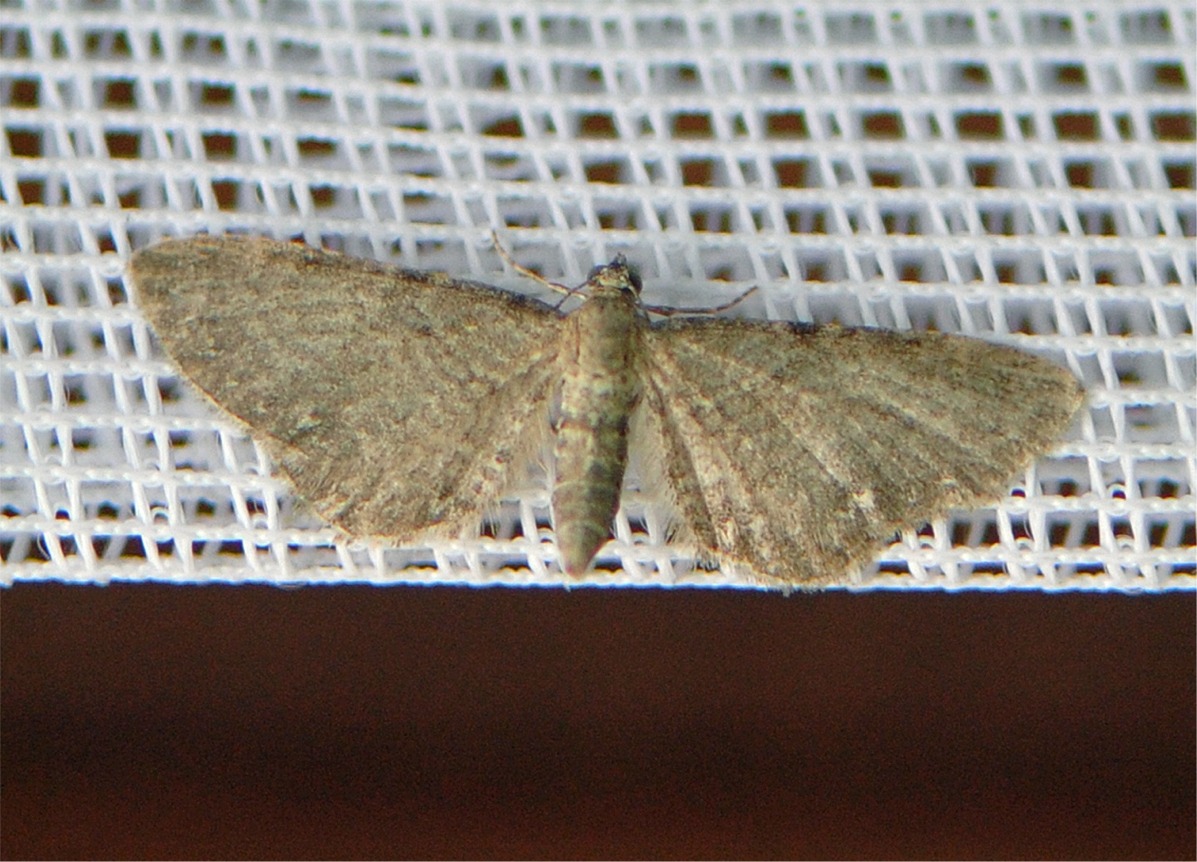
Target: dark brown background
143,720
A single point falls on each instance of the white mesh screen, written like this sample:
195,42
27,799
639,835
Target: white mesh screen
1020,171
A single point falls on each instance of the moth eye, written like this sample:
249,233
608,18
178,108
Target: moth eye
634,279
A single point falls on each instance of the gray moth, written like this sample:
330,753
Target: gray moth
400,404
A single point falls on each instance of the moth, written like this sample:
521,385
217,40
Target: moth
400,403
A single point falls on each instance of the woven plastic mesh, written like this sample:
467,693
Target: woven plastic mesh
1021,172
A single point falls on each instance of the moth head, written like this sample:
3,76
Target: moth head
615,277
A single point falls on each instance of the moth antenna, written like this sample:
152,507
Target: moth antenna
666,311
527,273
